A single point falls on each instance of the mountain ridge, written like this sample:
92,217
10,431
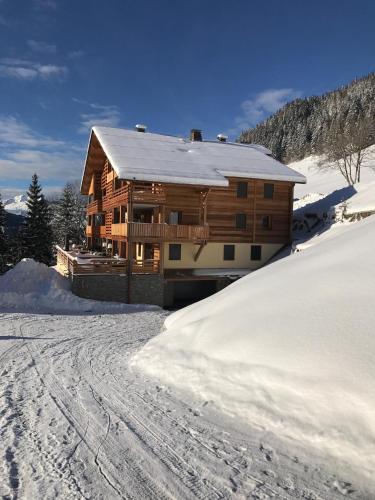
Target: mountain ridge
298,128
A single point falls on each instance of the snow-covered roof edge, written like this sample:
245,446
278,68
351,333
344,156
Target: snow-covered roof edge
289,176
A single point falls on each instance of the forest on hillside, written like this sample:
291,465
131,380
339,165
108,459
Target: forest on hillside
300,127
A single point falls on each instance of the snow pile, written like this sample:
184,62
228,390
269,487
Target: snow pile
290,347
35,287
363,201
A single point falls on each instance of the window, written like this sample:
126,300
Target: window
99,220
117,183
242,190
256,252
266,222
175,217
116,215
268,191
240,221
174,251
228,252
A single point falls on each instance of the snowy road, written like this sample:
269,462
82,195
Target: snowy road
76,423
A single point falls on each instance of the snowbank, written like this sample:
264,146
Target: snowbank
290,347
35,287
363,201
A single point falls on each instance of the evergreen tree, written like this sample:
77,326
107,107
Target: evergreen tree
69,215
3,238
301,127
37,239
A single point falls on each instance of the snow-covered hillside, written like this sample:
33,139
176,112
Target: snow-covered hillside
16,205
326,182
290,348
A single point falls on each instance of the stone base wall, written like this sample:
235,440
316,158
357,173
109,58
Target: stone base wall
113,288
144,288
147,289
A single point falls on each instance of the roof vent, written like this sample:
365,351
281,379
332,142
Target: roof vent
196,135
222,137
140,128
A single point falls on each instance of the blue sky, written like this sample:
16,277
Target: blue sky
212,64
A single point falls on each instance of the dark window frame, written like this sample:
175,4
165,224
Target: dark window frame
268,190
256,252
267,221
242,189
175,247
241,221
229,252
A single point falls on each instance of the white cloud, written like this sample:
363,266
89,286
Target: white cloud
262,105
106,116
76,54
24,151
23,69
40,46
13,132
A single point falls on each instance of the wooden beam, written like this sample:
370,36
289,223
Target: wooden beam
196,256
254,209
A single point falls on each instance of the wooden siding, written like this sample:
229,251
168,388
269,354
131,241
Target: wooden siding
223,205
199,207
167,232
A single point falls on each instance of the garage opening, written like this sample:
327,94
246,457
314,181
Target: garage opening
188,292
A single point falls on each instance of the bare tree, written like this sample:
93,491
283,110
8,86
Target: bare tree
346,149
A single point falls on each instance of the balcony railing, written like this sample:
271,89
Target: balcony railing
70,264
95,231
142,193
94,207
167,232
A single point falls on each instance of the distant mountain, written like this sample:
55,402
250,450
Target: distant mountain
297,130
16,205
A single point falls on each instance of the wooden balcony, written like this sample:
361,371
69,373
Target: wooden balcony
166,232
69,264
95,231
94,207
142,193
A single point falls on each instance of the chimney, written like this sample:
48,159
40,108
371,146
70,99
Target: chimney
140,128
222,138
195,135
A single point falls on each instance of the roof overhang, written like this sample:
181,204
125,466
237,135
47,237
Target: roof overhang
95,158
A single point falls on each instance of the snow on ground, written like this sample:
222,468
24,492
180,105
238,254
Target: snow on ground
326,182
35,287
75,422
363,200
290,348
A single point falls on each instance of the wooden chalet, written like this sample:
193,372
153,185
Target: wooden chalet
171,220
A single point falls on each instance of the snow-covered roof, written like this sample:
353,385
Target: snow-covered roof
164,158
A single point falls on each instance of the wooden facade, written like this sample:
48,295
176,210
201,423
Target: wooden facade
173,229
123,214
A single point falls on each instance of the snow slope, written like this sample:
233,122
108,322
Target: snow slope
325,182
16,205
35,287
290,348
363,200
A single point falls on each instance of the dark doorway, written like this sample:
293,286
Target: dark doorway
188,292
